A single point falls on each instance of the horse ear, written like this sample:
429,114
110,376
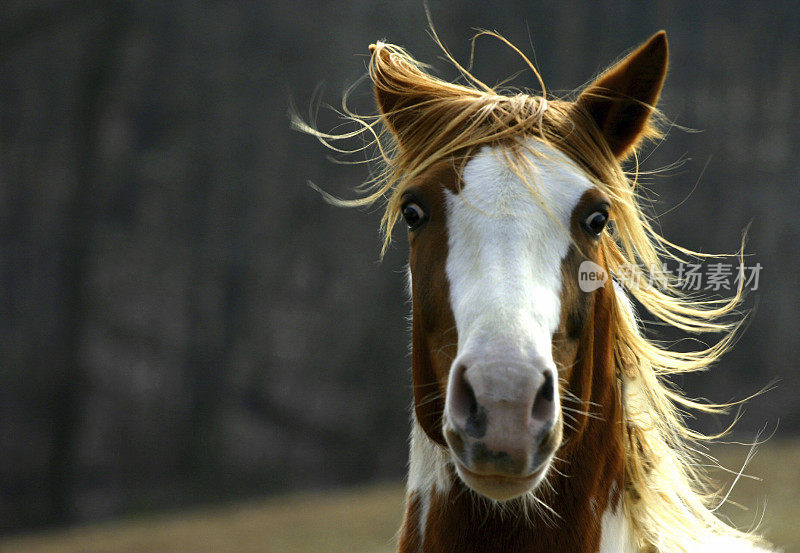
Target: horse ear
622,99
402,88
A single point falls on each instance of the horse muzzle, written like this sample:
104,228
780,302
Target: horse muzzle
502,426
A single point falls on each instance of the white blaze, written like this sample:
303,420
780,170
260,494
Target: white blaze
506,244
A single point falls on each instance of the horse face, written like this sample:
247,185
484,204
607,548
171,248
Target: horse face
495,255
497,309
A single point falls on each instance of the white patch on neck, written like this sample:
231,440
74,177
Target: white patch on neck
427,463
427,473
617,535
506,244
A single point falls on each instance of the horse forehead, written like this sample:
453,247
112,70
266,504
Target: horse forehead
545,198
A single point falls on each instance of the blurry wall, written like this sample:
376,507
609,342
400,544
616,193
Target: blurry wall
183,320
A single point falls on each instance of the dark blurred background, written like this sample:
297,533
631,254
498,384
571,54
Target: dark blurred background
184,321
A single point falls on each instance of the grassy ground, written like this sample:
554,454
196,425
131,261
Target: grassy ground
365,520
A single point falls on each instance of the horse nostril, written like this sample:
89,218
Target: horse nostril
543,402
468,414
547,390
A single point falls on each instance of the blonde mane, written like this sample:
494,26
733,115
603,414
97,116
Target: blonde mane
667,497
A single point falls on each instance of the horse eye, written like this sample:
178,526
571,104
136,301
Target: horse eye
596,222
414,215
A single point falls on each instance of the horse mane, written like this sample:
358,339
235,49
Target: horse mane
668,497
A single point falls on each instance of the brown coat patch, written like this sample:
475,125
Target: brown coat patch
434,336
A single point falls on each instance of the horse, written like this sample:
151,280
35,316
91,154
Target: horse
543,417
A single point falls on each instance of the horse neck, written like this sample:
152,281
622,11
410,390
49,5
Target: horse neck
584,512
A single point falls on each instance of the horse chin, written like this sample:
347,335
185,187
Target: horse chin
500,487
